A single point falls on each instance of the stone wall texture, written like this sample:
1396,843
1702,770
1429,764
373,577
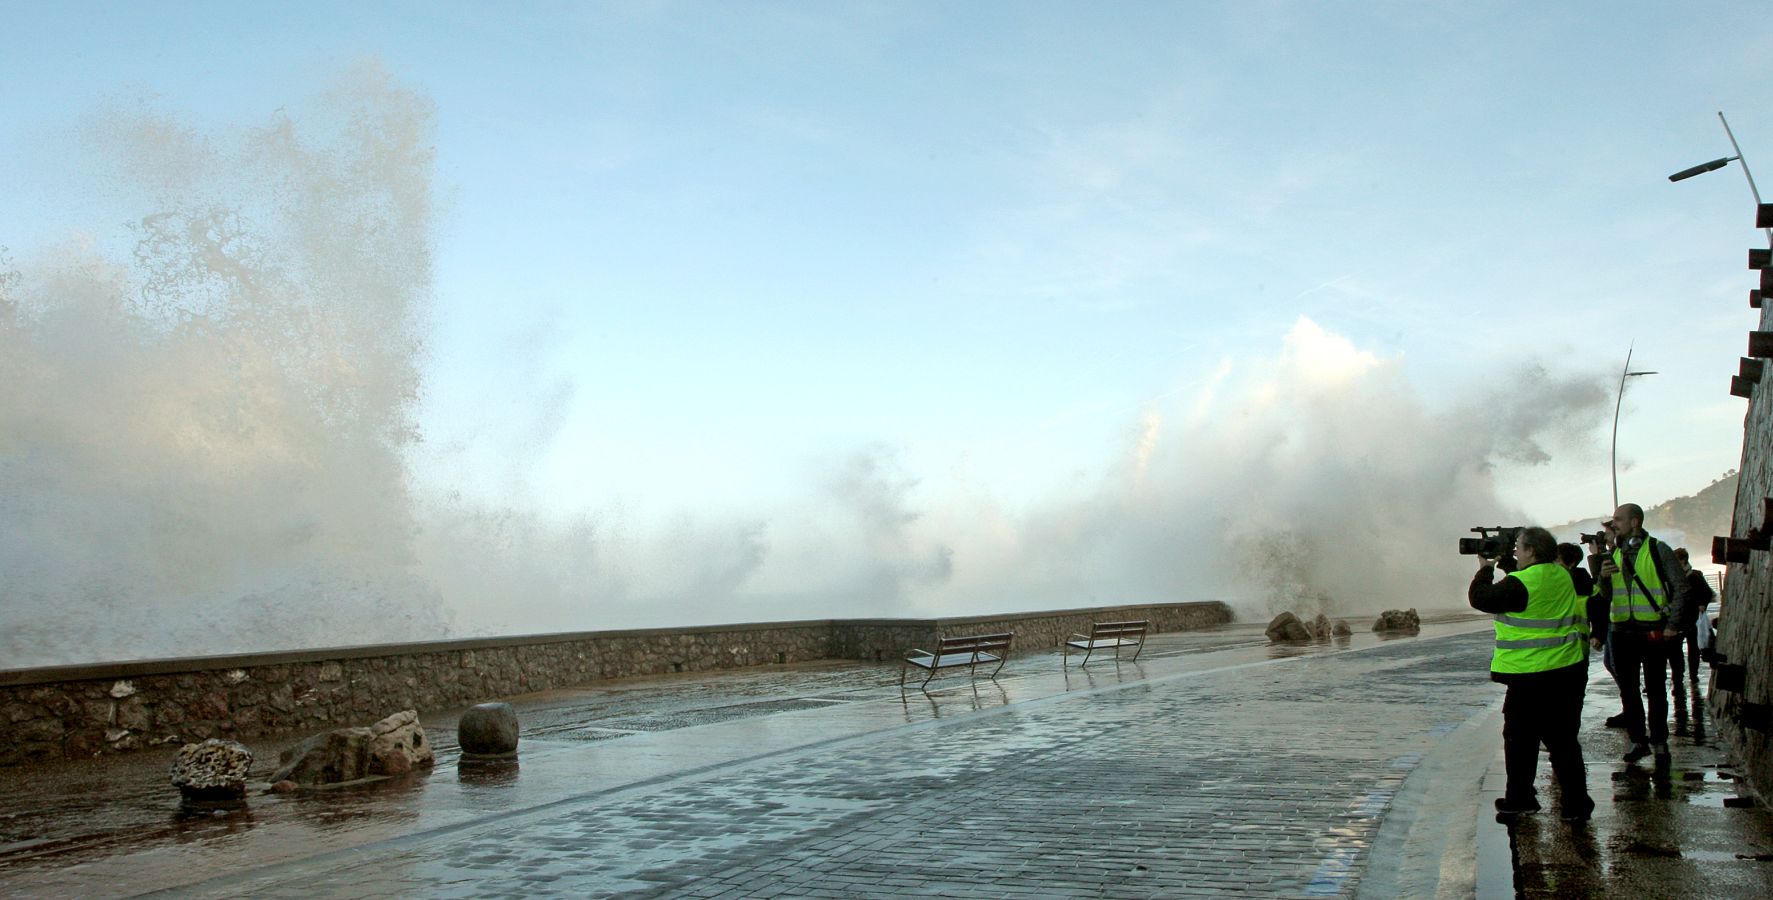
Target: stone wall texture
82,711
1745,618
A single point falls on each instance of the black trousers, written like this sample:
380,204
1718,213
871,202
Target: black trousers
1690,640
1545,708
1636,655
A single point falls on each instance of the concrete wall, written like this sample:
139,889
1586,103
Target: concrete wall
1745,626
82,711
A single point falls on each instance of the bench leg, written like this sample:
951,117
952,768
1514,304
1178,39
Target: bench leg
926,678
1140,650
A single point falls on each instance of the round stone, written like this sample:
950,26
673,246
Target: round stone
489,729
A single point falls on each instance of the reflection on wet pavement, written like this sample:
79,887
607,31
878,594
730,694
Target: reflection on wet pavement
1659,827
1206,762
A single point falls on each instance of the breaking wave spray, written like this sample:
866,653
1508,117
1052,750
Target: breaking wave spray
208,429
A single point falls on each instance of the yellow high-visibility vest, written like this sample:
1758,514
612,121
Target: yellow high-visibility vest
1630,603
1551,633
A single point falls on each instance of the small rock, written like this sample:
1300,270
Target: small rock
235,676
282,787
489,729
122,689
214,769
1341,629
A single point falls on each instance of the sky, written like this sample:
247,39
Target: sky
694,263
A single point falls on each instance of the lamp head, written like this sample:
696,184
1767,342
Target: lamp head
1701,169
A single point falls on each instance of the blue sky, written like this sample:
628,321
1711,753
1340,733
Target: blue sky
690,254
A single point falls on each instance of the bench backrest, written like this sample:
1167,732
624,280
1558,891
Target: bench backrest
998,644
1100,630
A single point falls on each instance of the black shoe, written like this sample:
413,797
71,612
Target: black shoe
1506,806
1637,752
1617,721
1579,811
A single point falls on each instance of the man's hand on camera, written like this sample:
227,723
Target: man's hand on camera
1609,569
1484,563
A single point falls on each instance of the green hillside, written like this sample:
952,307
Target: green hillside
1700,516
1693,520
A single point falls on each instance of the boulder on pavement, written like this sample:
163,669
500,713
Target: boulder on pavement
1286,628
213,770
1320,628
397,745
1341,629
1401,620
393,746
488,730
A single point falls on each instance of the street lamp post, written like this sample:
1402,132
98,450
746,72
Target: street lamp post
1717,164
1623,374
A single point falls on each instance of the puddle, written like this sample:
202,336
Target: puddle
1724,856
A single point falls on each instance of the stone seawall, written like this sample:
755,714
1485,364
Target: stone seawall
82,711
1745,623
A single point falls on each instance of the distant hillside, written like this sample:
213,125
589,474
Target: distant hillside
1692,521
1700,516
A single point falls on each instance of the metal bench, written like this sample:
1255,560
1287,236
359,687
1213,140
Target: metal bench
1106,635
968,651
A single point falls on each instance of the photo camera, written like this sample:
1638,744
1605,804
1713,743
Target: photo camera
1599,546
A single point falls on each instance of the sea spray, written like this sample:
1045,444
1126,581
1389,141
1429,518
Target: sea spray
201,450
209,444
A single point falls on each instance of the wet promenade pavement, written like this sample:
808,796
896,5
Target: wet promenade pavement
1214,766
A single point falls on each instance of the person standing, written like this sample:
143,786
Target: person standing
1645,593
1699,596
1541,655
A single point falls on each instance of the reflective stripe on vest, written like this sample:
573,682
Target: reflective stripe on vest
1531,643
1540,623
1551,633
1629,602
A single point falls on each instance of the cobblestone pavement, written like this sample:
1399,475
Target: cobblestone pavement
1266,778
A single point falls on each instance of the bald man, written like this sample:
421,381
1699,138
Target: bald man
1646,590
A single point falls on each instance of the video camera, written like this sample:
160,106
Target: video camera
1495,542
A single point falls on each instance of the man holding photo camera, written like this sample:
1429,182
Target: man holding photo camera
1647,612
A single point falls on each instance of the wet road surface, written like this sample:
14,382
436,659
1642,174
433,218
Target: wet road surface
1214,765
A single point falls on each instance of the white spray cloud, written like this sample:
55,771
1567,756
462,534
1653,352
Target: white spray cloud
208,449
1313,479
207,442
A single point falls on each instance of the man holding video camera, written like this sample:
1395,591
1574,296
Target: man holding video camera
1647,611
1542,656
